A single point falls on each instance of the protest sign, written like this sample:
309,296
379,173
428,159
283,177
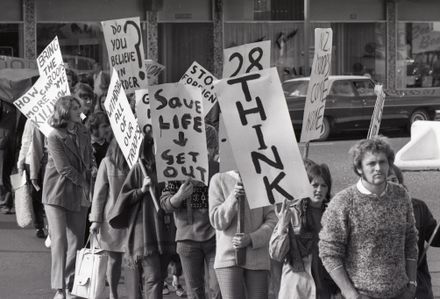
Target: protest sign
38,102
123,38
226,157
246,58
241,60
122,120
198,76
153,70
376,118
179,132
318,86
143,111
262,138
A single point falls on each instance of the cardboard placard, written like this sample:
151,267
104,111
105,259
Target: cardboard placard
143,110
123,38
179,132
153,70
318,86
124,125
262,138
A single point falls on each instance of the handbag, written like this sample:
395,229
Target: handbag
24,211
90,270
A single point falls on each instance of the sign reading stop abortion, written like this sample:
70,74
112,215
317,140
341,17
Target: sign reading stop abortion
179,132
38,102
198,76
122,120
261,135
318,86
123,39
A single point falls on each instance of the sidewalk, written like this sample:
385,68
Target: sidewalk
25,264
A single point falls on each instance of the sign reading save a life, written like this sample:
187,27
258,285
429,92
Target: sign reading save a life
123,39
122,120
38,102
318,86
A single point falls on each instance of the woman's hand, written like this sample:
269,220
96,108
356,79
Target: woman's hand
146,184
241,240
284,216
185,190
95,227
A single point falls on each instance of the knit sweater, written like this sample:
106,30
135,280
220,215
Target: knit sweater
258,223
371,237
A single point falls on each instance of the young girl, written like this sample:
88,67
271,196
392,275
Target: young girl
295,242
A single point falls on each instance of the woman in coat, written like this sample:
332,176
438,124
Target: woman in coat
111,175
66,189
294,242
248,280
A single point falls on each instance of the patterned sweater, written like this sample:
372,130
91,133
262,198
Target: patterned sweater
371,237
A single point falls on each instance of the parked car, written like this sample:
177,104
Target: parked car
350,104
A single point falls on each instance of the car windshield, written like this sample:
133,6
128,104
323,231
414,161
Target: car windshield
295,88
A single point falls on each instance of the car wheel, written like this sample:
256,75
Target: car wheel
419,114
325,132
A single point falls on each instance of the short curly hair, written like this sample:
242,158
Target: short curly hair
378,144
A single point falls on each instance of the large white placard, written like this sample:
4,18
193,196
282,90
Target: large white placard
122,120
198,76
179,132
143,111
263,142
123,38
376,118
38,102
318,86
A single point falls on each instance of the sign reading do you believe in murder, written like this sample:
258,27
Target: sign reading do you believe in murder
122,120
179,132
261,135
123,39
318,86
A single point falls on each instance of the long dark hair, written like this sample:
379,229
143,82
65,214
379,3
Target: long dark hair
116,156
321,170
61,116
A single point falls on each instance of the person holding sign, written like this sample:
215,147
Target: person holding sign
250,278
195,236
368,241
150,234
111,175
296,244
66,189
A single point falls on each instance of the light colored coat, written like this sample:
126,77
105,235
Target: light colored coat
65,180
108,183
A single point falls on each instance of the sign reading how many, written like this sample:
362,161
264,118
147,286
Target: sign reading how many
179,132
261,135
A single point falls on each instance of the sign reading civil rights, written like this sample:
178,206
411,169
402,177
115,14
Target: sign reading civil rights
198,76
122,120
179,132
376,118
318,86
246,58
143,111
38,102
237,61
153,70
123,38
262,138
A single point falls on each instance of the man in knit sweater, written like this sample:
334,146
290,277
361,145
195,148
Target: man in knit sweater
368,241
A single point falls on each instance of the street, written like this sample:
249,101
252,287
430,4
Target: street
25,262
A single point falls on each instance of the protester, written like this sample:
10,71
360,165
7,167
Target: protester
249,280
296,244
195,236
368,241
111,175
72,79
84,93
27,153
66,189
100,130
425,224
150,239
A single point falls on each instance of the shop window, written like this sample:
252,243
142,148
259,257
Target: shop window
9,40
418,55
274,10
82,46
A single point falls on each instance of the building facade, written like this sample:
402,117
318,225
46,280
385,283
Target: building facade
396,42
